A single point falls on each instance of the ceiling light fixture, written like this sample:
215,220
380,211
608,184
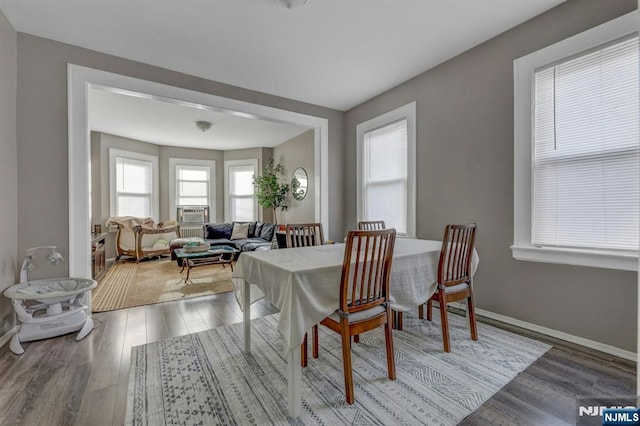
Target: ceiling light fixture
290,4
203,125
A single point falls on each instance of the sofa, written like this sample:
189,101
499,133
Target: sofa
244,236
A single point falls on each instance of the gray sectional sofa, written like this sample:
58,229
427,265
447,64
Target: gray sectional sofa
259,235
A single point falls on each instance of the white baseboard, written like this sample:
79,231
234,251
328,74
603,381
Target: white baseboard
592,344
8,335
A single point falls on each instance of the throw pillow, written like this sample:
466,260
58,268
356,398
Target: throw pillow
258,230
160,244
214,231
266,233
240,231
274,241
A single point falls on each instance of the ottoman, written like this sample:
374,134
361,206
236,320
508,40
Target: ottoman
179,243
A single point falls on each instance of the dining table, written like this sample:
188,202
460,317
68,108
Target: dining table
304,282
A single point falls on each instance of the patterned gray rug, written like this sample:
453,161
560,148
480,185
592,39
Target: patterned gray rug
205,379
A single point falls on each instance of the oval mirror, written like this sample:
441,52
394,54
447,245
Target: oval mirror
299,183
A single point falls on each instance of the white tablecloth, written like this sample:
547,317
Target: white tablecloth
303,283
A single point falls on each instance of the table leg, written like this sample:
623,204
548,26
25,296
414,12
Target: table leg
189,264
246,315
294,376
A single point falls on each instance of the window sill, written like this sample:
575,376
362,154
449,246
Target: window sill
591,258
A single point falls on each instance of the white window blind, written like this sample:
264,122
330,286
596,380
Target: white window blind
585,157
134,186
192,185
384,177
242,203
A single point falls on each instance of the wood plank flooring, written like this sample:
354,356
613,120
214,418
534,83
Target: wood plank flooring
62,382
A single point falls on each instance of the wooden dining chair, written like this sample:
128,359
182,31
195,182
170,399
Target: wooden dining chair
305,235
454,277
366,225
364,305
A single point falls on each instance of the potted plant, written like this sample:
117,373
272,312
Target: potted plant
268,189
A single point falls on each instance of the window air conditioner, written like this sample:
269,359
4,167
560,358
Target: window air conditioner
193,214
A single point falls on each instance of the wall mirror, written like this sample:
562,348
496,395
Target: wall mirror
299,183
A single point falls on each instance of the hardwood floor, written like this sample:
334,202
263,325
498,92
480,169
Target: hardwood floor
62,382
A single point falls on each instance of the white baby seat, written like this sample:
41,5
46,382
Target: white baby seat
59,309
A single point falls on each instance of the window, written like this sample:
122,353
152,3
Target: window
133,184
386,169
583,142
192,184
241,202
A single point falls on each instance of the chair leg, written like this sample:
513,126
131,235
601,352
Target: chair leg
315,341
356,338
391,365
346,359
303,352
445,323
399,327
421,311
472,318
429,317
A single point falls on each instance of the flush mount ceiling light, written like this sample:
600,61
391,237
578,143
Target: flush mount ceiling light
203,125
290,4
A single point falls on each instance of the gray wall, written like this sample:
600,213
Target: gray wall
8,171
294,153
42,133
465,173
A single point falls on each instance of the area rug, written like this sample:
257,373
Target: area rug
128,284
205,379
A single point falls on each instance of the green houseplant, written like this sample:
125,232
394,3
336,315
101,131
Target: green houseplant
268,189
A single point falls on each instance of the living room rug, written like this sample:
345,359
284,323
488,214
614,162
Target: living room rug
127,284
204,378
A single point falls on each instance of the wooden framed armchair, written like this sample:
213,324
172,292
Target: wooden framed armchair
146,241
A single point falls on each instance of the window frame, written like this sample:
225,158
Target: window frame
174,162
523,73
406,112
120,153
253,162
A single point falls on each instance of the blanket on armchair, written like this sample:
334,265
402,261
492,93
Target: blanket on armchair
130,222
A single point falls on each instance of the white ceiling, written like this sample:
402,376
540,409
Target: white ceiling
334,53
164,122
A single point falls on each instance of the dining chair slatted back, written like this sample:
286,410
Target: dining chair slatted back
366,268
364,287
304,235
454,266
369,225
454,277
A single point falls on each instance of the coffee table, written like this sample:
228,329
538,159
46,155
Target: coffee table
217,255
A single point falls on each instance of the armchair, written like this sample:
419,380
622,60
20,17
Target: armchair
144,240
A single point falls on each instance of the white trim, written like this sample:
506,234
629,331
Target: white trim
80,79
593,258
227,205
407,112
8,335
173,184
638,278
155,177
587,343
523,69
